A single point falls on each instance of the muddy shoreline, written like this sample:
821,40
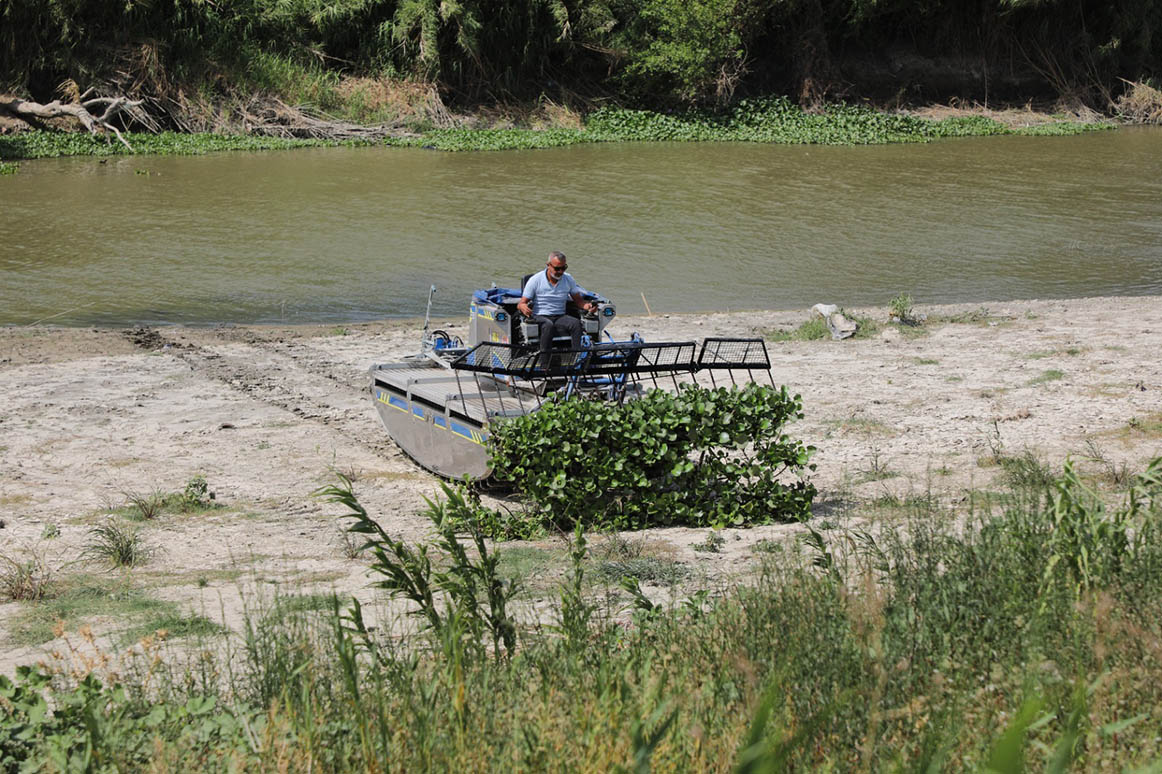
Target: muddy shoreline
266,414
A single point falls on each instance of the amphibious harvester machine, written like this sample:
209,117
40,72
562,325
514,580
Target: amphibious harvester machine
439,404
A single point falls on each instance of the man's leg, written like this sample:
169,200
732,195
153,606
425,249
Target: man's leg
546,342
570,325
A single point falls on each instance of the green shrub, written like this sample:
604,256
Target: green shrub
700,457
197,496
900,308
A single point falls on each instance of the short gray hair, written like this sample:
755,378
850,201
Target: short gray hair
557,254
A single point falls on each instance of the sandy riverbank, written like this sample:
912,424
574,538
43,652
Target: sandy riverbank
264,414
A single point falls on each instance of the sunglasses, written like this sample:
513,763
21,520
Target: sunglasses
562,267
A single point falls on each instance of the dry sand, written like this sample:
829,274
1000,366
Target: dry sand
265,414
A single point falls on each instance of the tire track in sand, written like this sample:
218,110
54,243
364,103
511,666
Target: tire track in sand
283,374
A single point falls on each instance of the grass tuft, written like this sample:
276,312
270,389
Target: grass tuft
1149,426
1050,375
167,624
116,544
148,506
650,569
26,579
811,330
81,597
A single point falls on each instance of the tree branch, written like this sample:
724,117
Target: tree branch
81,111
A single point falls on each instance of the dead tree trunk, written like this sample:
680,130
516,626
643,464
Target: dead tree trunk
814,73
93,113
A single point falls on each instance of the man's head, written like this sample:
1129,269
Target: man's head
557,264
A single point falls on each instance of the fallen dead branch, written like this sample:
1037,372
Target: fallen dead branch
272,117
95,113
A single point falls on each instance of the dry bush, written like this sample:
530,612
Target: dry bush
25,579
545,114
554,116
1141,103
1013,117
406,101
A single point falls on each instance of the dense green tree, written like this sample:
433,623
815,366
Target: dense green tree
649,51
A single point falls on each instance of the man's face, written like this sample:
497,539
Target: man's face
557,268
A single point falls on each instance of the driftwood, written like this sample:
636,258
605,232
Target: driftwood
257,115
272,117
94,113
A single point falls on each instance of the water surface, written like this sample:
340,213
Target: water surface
351,234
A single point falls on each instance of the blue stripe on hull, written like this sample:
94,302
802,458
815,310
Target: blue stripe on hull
466,432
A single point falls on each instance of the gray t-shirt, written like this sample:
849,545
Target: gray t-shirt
549,300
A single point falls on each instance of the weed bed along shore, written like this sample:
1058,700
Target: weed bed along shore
769,120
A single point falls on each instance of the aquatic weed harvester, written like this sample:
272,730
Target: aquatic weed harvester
438,405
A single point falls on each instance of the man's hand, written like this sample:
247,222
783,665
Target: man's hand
523,307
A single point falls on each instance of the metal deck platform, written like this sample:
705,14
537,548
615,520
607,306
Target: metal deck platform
457,394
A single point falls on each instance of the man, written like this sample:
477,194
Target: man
549,291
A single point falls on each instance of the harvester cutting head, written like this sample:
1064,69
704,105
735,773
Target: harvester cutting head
438,405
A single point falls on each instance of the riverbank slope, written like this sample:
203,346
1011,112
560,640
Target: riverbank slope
91,417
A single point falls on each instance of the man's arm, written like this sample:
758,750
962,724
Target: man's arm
581,303
527,293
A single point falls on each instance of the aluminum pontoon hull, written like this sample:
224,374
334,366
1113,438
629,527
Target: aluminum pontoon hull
413,402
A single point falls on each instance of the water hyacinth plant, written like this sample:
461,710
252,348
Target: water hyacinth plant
698,457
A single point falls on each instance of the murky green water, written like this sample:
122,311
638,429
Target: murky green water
350,234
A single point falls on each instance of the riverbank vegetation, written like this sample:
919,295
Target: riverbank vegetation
763,120
1017,629
293,69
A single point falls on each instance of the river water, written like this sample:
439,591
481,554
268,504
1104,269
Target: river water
341,235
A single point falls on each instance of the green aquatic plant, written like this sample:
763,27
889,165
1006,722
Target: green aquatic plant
45,144
700,457
1062,128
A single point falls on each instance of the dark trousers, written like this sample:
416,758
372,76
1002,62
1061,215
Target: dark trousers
563,324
